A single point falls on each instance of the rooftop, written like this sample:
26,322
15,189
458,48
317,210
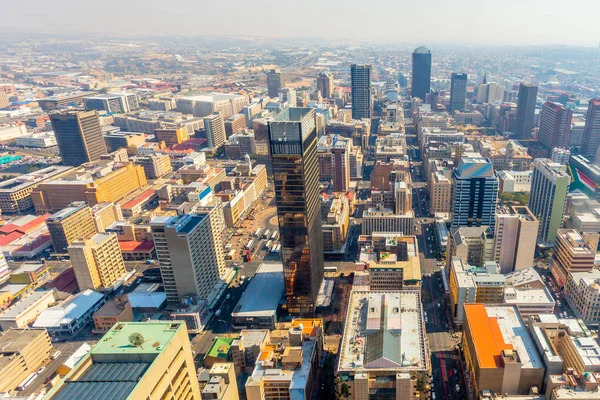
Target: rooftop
25,304
69,310
14,340
220,347
155,335
262,296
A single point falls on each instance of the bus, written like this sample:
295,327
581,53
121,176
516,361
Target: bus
278,248
269,244
275,235
257,233
28,381
266,234
249,245
331,269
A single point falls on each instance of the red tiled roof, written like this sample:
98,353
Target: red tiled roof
135,246
11,237
145,195
65,282
25,228
35,243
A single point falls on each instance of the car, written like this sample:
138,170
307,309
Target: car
218,313
432,396
227,297
439,305
457,388
41,369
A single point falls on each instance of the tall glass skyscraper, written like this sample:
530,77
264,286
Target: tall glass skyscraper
293,143
79,136
361,91
421,73
458,91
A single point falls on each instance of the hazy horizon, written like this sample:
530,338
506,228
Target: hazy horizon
460,22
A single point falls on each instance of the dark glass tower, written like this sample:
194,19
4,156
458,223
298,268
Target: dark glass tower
293,144
525,110
361,91
274,83
421,73
458,91
79,136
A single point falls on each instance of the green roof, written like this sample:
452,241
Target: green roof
220,347
153,335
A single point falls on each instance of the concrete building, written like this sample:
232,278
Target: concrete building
202,105
135,360
117,103
257,308
288,95
241,200
560,155
293,145
155,166
325,84
105,214
215,130
384,351
591,131
72,315
171,136
573,252
555,125
235,124
240,144
79,137
458,92
118,140
112,313
335,215
490,93
549,187
97,261
37,140
440,191
219,383
381,219
26,310
500,356
15,193
360,77
474,193
514,181
149,121
473,245
515,239
333,154
70,224
190,252
22,351
104,181
582,292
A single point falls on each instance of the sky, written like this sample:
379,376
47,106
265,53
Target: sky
463,22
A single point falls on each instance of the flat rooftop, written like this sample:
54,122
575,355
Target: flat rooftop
24,304
262,296
155,335
14,340
384,331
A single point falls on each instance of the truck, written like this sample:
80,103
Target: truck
269,244
249,245
28,381
275,235
257,233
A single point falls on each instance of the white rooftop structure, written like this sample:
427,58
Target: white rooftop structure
72,309
261,297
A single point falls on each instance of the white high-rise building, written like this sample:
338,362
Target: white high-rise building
189,249
515,237
215,130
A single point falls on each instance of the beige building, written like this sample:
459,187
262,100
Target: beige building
26,310
111,313
335,215
22,351
380,219
98,182
171,136
473,245
440,190
219,383
573,252
582,291
139,360
499,353
155,166
105,214
70,224
97,262
515,239
251,188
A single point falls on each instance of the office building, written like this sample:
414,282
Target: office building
421,73
549,187
340,164
582,293
458,92
134,360
293,144
555,125
526,110
189,249
204,104
499,353
440,189
22,351
171,136
560,155
473,245
515,239
514,181
155,166
474,193
288,95
234,124
573,252
104,181
384,353
128,140
79,136
591,131
117,103
219,383
325,84
97,262
15,193
215,130
335,213
148,121
360,76
40,140
274,83
70,224
240,144
490,93
381,219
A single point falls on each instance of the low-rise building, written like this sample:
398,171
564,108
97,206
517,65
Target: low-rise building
582,291
514,181
380,219
111,313
155,166
26,310
37,140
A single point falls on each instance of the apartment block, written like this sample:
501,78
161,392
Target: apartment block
97,262
70,224
515,239
171,136
335,214
155,166
583,295
573,252
440,190
137,360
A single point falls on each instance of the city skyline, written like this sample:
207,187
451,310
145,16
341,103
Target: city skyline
503,27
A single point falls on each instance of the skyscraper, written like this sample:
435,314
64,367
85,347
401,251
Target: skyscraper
293,143
591,132
274,83
325,84
474,193
340,165
555,125
525,110
189,249
514,241
361,91
79,136
70,224
215,130
421,72
458,91
549,187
